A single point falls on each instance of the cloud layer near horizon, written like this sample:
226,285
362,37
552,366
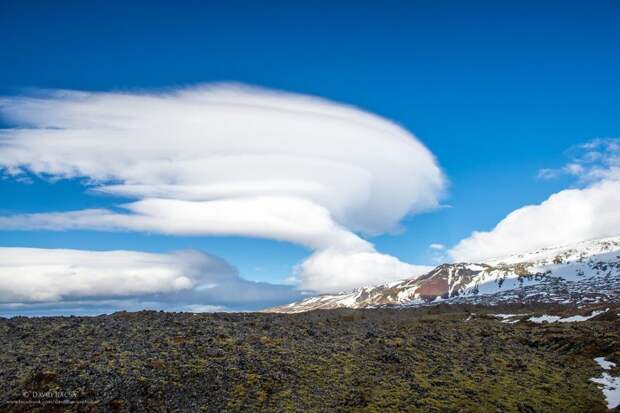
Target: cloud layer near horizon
572,215
230,160
188,280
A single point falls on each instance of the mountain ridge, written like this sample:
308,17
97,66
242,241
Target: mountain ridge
583,272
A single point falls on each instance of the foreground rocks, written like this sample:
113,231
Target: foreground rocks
435,359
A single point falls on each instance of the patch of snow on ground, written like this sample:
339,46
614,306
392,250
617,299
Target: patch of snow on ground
405,295
575,318
506,318
611,389
605,365
582,318
545,318
610,385
508,315
348,300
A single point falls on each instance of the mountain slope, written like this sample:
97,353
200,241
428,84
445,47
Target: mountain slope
585,272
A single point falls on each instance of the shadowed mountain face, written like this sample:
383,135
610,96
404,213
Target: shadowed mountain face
583,273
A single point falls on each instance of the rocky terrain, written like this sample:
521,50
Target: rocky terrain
583,273
442,358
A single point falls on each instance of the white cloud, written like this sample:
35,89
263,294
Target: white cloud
35,278
590,162
199,308
571,215
229,160
33,274
283,218
336,270
219,142
548,173
438,253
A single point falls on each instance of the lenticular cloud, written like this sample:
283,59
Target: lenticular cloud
230,160
104,281
33,274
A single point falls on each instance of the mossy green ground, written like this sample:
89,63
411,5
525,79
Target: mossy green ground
425,360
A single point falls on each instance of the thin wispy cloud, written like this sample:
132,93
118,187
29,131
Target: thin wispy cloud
589,162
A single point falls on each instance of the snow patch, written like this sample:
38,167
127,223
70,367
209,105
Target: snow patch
610,385
582,318
558,319
545,318
508,315
611,389
605,365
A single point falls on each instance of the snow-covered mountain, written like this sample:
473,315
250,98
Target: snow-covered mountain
585,272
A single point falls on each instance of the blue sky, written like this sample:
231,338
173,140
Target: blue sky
495,90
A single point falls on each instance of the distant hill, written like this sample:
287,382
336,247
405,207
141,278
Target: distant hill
583,273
